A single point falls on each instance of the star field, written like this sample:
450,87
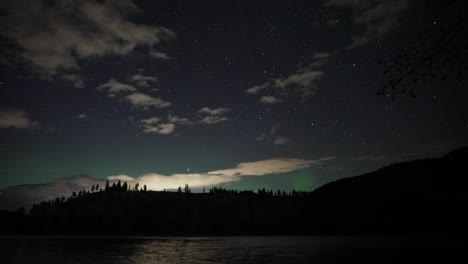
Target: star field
184,89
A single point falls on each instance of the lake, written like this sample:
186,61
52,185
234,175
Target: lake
117,250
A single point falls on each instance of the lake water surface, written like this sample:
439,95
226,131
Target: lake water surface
55,250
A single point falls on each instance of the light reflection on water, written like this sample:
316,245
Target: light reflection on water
231,250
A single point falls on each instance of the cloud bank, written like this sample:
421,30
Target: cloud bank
114,87
378,17
129,93
15,118
156,181
83,117
268,99
215,111
205,116
53,36
302,82
26,195
145,101
142,80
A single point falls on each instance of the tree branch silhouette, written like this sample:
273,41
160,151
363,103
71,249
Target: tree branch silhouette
436,54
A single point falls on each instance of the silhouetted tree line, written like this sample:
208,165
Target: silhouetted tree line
260,192
219,211
417,197
119,187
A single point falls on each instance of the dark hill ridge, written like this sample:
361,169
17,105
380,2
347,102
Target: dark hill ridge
422,196
428,178
417,197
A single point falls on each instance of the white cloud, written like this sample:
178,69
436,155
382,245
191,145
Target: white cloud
213,115
137,99
144,101
216,111
54,35
120,177
153,125
159,55
114,87
257,88
263,137
142,80
321,55
162,129
270,166
156,181
210,120
303,80
317,63
150,121
281,140
268,99
179,120
16,119
82,117
377,16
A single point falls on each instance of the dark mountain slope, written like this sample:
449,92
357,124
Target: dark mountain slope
437,178
422,196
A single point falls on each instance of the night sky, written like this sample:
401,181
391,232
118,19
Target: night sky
246,94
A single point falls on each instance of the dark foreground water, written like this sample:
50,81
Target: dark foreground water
55,250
